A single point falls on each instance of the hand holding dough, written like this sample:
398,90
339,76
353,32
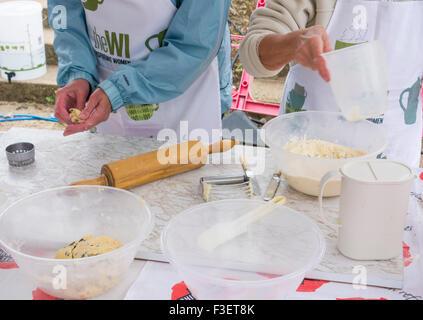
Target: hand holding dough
74,115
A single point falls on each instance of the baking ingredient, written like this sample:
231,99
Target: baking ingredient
74,115
310,186
315,148
88,246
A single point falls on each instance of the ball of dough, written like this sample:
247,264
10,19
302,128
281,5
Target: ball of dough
74,115
88,246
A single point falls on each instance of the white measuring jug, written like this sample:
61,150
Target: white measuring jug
359,80
373,206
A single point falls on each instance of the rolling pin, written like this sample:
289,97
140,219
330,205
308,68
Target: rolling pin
162,163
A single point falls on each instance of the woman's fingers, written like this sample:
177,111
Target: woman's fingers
98,109
319,63
90,106
64,101
322,68
315,41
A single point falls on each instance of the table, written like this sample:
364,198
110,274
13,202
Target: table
84,154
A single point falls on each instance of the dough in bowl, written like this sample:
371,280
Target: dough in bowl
88,246
309,182
315,148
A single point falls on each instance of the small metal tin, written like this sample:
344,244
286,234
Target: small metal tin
20,154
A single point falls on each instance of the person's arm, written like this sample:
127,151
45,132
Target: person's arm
77,74
303,46
192,41
277,33
71,43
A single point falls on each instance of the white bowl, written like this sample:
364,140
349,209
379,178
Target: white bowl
34,228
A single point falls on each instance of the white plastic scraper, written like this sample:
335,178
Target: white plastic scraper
223,232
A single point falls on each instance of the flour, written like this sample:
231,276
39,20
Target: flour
319,149
315,148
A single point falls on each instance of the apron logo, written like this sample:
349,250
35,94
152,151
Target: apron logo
112,43
141,112
160,37
410,110
378,120
92,5
296,99
360,20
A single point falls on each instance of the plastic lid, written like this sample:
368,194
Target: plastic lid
377,171
282,243
12,8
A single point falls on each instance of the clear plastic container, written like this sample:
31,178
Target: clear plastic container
268,261
304,173
34,228
359,80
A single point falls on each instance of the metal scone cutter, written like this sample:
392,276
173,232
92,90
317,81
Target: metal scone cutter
20,154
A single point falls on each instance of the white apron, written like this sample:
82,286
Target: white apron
398,26
128,30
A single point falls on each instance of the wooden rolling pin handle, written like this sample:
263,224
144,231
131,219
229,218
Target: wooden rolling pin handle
100,181
222,146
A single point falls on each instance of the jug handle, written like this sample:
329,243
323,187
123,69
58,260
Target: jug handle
400,99
331,221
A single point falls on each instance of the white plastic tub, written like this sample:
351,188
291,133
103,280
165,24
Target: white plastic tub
21,40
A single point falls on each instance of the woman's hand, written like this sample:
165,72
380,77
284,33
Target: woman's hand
97,110
74,95
311,44
304,46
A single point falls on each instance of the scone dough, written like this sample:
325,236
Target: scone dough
322,149
88,246
74,115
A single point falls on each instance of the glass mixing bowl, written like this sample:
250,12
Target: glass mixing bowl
304,173
34,228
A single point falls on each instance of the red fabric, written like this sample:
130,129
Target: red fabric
8,265
40,295
180,290
406,253
311,285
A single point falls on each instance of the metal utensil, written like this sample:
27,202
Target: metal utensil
20,154
250,174
224,187
272,187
